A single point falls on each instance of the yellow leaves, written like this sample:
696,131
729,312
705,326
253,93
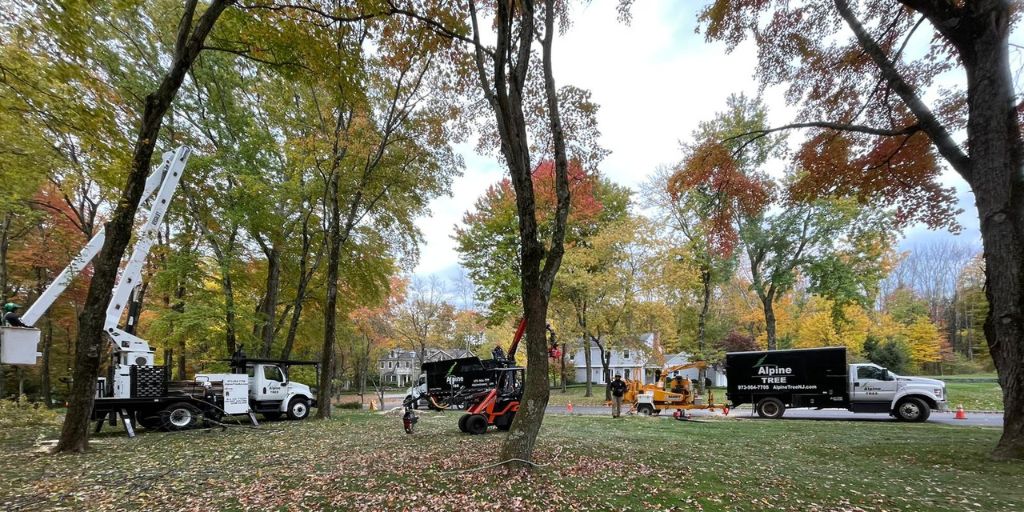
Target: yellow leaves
817,327
924,341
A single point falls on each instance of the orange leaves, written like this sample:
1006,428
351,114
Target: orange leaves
898,172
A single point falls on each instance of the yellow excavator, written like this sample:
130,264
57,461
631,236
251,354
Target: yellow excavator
669,391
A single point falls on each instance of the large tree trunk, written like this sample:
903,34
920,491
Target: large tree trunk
536,282
997,179
89,346
331,306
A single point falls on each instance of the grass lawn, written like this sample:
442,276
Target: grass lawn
975,396
363,461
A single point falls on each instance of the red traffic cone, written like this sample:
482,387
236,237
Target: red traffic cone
960,414
568,407
725,410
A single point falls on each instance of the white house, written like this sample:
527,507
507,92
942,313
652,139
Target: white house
714,372
402,367
637,359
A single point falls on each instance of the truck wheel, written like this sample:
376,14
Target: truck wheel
912,409
645,409
271,415
476,424
771,408
298,408
179,416
462,422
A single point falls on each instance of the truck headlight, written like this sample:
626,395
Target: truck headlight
938,392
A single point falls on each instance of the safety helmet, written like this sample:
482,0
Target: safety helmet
10,306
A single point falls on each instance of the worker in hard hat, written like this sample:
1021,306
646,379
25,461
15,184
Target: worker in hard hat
11,317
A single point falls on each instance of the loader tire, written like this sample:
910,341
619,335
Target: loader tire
476,424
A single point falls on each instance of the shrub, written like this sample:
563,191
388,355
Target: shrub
23,413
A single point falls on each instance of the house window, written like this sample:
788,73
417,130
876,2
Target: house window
625,373
625,354
389,364
382,365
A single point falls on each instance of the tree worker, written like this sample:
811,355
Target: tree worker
11,318
618,389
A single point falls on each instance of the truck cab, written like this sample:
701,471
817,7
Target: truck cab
271,393
873,388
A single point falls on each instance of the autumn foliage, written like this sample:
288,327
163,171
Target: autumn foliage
714,170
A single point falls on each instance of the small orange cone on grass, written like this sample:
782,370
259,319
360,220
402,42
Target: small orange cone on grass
960,414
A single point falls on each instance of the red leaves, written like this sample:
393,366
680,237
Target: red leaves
713,172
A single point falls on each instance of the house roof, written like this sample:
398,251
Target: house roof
431,354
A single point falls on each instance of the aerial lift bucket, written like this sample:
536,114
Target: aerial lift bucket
19,345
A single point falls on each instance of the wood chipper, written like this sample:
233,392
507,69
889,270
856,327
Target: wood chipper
669,391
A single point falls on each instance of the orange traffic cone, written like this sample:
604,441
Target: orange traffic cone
960,414
568,407
725,410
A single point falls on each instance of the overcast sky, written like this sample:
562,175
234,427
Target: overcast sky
655,80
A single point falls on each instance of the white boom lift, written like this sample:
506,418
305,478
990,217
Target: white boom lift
142,392
19,343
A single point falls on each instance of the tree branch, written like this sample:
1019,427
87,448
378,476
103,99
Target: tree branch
927,120
247,55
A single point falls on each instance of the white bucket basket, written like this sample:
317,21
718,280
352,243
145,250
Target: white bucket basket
19,345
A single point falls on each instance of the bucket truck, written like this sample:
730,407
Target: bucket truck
139,391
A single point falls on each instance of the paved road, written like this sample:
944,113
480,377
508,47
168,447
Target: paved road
973,419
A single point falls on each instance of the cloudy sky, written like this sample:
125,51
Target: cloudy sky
654,80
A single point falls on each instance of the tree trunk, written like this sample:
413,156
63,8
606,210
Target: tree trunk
300,292
5,242
606,361
268,313
705,280
562,361
768,303
522,436
44,378
997,179
331,306
74,435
